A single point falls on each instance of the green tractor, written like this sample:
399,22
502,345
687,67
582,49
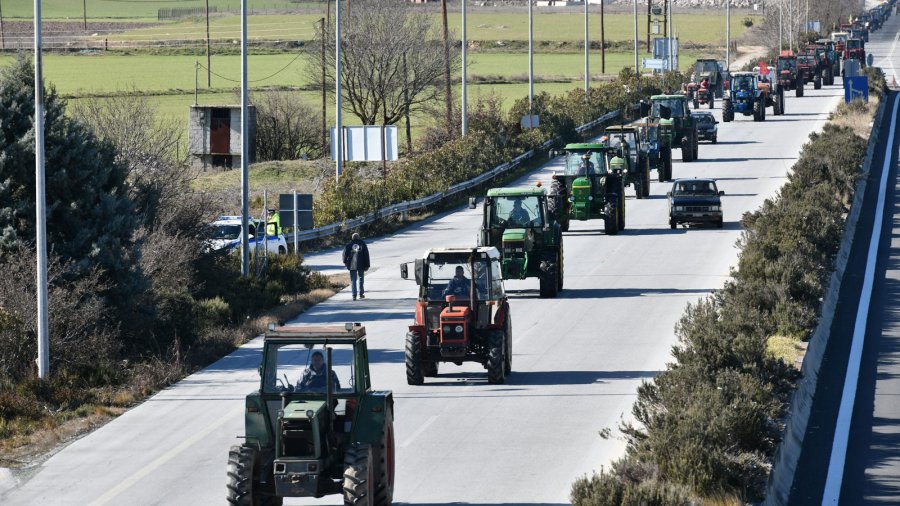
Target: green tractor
677,128
315,427
637,171
592,186
518,222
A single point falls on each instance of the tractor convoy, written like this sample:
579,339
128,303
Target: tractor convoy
316,425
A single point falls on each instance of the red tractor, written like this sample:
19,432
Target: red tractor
462,314
854,49
787,74
808,67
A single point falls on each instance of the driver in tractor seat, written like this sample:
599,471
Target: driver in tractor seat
518,215
313,379
458,285
586,167
704,84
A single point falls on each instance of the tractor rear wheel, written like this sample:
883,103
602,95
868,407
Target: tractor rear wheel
829,77
560,271
800,87
727,111
817,83
611,219
696,154
383,462
507,334
672,223
638,189
667,162
757,116
415,374
696,103
549,282
646,181
686,149
359,476
762,111
556,204
620,218
712,101
496,358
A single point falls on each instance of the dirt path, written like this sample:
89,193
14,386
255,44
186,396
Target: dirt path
747,54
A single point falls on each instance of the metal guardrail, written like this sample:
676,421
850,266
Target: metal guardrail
430,200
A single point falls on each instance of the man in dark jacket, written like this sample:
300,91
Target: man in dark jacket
356,259
314,377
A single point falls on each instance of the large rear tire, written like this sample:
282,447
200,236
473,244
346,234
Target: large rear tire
359,476
620,219
638,189
384,461
611,219
817,83
757,115
549,283
800,87
556,204
696,154
646,181
507,334
686,149
712,100
414,371
496,358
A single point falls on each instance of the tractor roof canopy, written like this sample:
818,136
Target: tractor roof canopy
586,146
668,97
525,191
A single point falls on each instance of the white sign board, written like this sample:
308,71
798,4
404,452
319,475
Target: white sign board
814,26
367,143
655,63
530,122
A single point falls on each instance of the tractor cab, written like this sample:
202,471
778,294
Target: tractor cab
314,407
462,313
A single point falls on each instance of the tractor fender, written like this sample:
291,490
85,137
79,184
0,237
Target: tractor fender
420,329
368,422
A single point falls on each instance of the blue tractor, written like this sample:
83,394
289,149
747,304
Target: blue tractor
747,95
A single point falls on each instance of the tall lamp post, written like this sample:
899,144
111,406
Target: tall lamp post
245,175
587,74
463,98
43,320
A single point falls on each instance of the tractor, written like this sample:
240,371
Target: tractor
315,427
637,160
840,41
713,71
677,128
659,157
855,49
519,223
591,186
747,96
808,67
462,314
834,58
787,74
825,61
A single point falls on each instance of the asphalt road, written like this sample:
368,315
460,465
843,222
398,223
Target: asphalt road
578,359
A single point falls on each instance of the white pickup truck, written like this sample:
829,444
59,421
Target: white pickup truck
225,234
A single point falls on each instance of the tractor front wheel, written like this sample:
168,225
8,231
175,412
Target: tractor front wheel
712,101
756,114
800,87
359,476
817,83
620,218
672,223
241,461
415,375
638,189
496,358
696,154
727,111
556,204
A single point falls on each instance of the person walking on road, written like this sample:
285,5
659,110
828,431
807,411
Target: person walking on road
356,259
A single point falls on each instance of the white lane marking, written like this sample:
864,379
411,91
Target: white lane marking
832,493
162,459
419,431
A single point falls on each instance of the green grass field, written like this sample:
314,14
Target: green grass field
486,26
131,9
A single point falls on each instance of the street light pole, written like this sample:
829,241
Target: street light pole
587,74
530,61
245,152
338,127
465,42
780,25
727,34
637,70
43,361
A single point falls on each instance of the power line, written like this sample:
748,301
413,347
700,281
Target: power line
282,69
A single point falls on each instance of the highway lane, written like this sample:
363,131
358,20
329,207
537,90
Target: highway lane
578,359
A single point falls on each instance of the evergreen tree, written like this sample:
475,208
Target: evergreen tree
90,217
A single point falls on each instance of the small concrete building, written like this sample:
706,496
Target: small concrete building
214,136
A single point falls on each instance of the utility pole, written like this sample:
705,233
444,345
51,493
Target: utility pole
448,94
43,323
245,173
587,45
780,25
727,34
324,98
84,13
637,70
208,57
465,42
649,4
2,42
602,39
530,62
791,25
339,126
406,106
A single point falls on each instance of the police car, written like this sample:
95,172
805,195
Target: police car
225,234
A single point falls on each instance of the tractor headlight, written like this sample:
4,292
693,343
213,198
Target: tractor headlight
590,197
459,328
679,208
310,413
447,328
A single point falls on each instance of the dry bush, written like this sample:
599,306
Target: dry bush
286,127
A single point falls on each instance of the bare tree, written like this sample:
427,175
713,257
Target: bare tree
286,127
375,38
